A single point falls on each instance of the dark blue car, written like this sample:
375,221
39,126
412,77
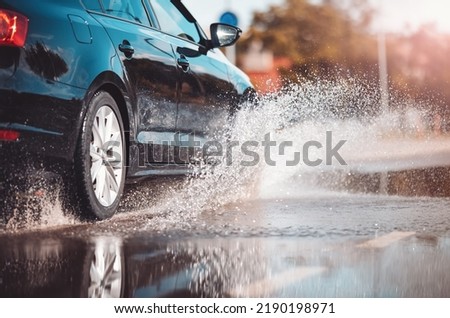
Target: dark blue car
104,91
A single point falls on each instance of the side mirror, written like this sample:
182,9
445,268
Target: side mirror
224,35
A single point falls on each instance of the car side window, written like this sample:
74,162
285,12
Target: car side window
173,22
93,5
132,10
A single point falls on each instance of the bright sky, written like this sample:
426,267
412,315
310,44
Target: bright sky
398,15
209,11
413,13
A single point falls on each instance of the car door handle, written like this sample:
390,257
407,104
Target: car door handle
183,63
127,49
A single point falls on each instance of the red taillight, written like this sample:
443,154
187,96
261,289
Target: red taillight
13,28
9,135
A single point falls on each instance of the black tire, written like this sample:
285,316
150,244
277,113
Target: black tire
110,160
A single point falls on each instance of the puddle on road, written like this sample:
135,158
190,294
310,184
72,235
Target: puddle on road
245,250
252,267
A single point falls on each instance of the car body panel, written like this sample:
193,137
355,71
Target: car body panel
44,84
206,93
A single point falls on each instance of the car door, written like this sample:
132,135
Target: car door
205,90
151,72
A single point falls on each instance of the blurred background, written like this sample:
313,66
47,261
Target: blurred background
401,48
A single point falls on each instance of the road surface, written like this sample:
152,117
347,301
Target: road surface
376,228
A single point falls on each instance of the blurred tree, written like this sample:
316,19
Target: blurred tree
330,39
420,68
323,38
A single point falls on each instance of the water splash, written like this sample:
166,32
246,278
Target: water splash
349,108
37,205
300,113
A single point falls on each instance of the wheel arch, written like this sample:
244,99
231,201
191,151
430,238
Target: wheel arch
112,84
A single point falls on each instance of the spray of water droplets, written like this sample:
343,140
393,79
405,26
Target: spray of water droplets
348,108
300,113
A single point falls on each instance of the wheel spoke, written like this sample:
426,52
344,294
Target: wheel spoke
94,151
108,126
95,168
95,276
107,187
97,138
100,184
112,182
101,124
109,269
116,138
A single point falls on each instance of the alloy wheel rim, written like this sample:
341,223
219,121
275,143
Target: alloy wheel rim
106,153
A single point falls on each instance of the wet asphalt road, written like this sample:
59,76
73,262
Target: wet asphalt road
378,228
297,242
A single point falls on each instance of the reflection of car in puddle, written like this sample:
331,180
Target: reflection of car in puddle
61,268
103,267
106,269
